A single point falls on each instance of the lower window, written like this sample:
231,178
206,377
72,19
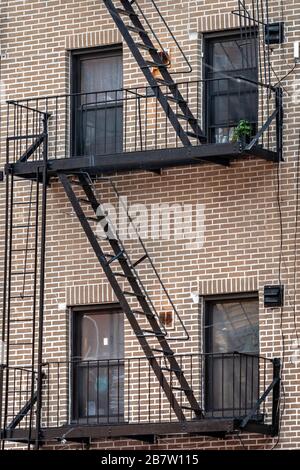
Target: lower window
97,365
231,355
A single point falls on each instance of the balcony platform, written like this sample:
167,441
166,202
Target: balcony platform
146,413
147,432
149,160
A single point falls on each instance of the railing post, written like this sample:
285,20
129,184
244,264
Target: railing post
42,285
279,122
1,397
276,397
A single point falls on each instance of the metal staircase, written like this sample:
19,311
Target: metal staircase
116,265
132,28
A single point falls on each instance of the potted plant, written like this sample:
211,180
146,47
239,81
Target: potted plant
242,132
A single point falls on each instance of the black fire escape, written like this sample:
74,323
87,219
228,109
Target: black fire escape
39,147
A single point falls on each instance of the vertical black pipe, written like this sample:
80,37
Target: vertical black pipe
276,397
2,365
279,123
34,304
42,285
10,192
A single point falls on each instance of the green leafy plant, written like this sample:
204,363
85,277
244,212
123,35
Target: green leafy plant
242,131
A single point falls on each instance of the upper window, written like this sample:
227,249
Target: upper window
97,79
228,99
231,324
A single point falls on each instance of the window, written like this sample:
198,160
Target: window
229,100
231,326
166,318
97,79
97,367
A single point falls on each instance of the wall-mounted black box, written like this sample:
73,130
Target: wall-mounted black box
274,33
273,296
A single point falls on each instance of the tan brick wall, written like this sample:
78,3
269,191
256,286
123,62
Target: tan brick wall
242,231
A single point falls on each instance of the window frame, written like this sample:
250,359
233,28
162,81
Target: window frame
77,56
77,312
208,302
208,39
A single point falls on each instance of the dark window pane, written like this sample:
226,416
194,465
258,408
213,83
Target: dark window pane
101,74
232,387
101,336
102,130
100,392
97,111
233,326
230,99
220,110
234,55
221,135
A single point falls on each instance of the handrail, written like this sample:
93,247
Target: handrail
131,90
190,68
156,356
131,221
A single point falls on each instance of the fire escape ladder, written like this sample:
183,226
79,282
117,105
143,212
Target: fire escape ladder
175,383
23,294
134,26
20,285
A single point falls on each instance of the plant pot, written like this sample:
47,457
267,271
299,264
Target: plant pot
243,141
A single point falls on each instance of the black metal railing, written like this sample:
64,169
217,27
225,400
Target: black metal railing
243,387
131,120
18,397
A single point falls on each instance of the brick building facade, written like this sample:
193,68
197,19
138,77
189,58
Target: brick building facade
248,211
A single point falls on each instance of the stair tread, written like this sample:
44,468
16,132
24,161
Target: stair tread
140,260
133,294
145,46
167,353
193,134
21,272
180,389
186,118
169,369
135,29
175,100
140,312
151,63
127,276
114,257
19,297
164,82
156,333
82,199
148,335
125,12
191,408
